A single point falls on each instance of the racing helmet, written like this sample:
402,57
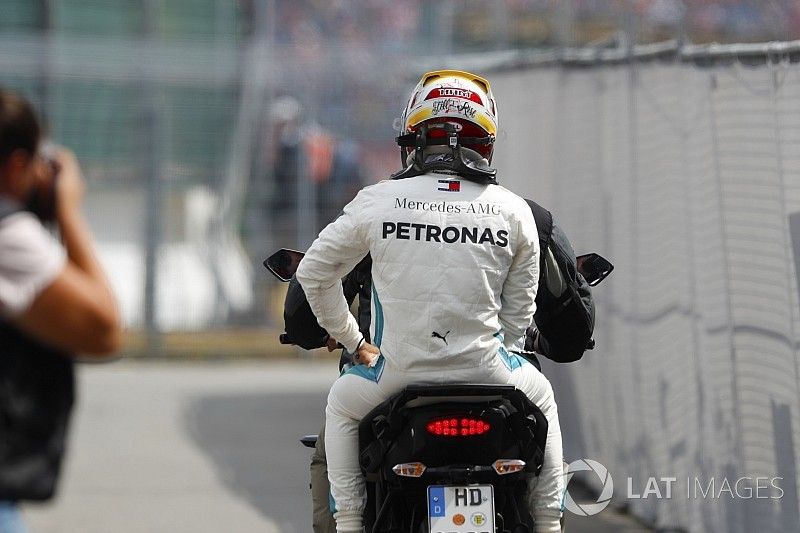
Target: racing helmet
453,100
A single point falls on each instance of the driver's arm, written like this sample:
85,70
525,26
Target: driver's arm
519,290
339,247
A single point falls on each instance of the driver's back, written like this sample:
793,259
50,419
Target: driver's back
454,271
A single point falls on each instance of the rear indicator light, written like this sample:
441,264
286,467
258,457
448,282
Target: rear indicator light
409,469
457,427
508,466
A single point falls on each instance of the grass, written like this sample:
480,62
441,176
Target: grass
255,343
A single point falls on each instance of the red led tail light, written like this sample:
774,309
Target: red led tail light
457,427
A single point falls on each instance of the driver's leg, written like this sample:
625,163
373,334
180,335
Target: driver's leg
352,396
323,521
547,490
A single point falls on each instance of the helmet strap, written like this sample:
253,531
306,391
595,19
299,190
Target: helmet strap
463,166
418,140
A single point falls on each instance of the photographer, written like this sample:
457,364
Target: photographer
55,301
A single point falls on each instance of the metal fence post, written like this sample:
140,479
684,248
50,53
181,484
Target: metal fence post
154,220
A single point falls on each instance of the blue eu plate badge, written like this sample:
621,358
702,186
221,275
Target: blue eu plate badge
463,509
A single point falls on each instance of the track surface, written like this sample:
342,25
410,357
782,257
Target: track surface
200,447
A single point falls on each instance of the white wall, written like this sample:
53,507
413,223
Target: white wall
686,179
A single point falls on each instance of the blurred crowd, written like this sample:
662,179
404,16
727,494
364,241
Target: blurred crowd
724,21
381,23
406,24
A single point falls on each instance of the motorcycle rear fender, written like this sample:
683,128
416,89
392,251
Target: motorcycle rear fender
393,420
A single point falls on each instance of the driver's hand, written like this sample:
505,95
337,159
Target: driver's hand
331,343
367,354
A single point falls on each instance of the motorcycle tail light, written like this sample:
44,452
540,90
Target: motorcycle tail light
409,469
457,427
508,466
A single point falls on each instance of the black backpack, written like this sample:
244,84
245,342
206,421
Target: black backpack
565,321
37,390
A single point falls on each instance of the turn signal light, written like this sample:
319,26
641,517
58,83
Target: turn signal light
508,466
409,469
457,427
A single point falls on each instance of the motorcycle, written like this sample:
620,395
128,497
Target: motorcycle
450,458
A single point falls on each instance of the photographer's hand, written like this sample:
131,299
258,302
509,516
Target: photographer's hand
70,187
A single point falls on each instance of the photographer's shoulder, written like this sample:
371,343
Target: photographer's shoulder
30,259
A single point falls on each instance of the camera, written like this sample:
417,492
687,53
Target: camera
43,199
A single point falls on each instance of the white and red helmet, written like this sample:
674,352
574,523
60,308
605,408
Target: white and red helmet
459,98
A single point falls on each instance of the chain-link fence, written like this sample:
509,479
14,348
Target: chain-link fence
210,133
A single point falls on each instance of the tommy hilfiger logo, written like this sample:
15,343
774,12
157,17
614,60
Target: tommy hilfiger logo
436,335
449,185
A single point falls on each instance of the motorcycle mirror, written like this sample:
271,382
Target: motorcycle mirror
283,263
594,268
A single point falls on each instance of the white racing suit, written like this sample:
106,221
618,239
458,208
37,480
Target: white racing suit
454,277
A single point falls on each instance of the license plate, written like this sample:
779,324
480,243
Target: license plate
468,509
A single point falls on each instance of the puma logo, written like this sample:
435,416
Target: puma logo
436,335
